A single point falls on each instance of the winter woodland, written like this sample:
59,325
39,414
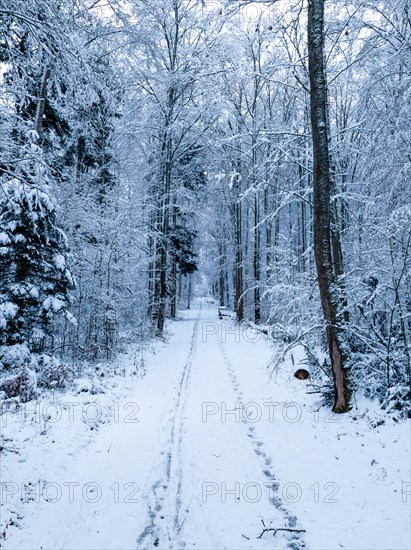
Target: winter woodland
174,171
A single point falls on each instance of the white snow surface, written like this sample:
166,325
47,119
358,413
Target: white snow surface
56,304
9,310
59,262
4,239
198,453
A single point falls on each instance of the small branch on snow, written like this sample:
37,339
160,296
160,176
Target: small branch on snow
267,529
263,329
9,449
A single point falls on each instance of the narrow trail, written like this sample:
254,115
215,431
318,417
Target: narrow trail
202,454
266,461
164,501
183,475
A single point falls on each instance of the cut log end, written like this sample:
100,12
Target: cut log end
302,374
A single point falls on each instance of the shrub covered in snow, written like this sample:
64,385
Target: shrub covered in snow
14,356
398,402
52,373
22,385
83,385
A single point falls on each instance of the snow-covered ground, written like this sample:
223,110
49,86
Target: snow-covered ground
202,452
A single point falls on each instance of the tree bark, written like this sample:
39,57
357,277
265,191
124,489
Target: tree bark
322,183
256,260
165,193
268,237
41,106
221,284
189,292
238,291
173,282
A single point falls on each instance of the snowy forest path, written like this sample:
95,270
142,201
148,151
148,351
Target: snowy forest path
173,469
209,469
266,462
167,490
202,453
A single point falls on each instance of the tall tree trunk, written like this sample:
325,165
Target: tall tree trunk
173,309
227,283
189,291
257,231
256,259
322,182
336,244
152,247
268,236
221,275
302,230
180,284
173,283
238,270
41,105
163,240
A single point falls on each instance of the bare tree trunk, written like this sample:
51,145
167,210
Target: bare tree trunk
238,270
221,276
302,231
173,284
162,286
328,284
268,236
180,284
276,236
256,259
163,241
336,245
227,283
189,292
173,310
41,106
151,268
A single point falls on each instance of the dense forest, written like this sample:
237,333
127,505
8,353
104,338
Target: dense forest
256,152
205,274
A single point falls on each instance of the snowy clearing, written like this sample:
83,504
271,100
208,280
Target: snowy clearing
202,452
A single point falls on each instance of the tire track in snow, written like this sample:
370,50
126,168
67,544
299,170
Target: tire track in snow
294,540
164,502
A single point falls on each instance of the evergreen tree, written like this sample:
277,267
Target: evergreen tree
34,277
